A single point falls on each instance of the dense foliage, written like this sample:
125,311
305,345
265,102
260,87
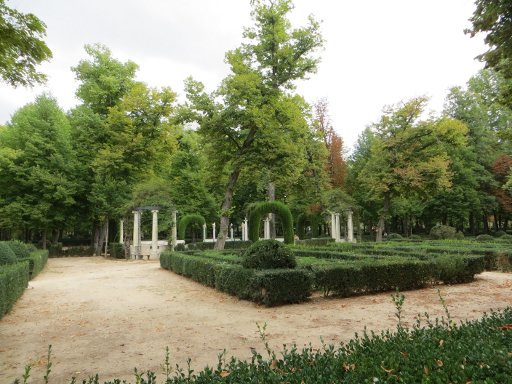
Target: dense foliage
268,254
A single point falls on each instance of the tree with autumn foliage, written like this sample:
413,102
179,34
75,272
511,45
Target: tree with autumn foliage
336,167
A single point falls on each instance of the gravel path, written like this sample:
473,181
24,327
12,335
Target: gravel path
109,316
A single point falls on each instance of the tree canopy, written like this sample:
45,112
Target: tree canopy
22,47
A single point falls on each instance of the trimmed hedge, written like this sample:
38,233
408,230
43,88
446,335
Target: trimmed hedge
13,281
269,287
21,250
186,220
268,254
36,260
368,276
315,242
7,256
210,245
261,208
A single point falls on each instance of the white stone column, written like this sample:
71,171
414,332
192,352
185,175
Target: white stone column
333,225
204,231
338,227
266,229
231,232
136,217
121,231
174,232
350,227
154,234
214,237
246,228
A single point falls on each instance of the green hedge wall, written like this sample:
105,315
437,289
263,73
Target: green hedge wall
186,220
13,281
37,260
269,287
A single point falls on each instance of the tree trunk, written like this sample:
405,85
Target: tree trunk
380,226
271,196
226,206
485,223
99,237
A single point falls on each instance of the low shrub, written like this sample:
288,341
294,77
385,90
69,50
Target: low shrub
439,232
394,236
484,238
269,287
506,238
117,250
78,250
21,250
7,256
268,254
457,269
499,233
315,242
281,286
13,281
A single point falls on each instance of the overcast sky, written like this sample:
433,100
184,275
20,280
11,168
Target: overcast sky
377,52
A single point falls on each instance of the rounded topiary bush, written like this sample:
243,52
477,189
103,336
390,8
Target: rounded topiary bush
268,254
394,236
440,232
484,238
20,249
499,233
7,256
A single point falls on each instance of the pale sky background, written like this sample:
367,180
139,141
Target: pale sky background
377,52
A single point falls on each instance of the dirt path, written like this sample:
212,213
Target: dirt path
104,316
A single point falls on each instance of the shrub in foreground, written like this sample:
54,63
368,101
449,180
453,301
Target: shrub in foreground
435,352
13,281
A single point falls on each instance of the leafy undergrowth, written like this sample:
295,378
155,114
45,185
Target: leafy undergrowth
432,351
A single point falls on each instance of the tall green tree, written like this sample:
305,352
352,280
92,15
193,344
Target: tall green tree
37,181
479,106
122,131
252,115
406,159
22,47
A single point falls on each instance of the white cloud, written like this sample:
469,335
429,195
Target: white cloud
377,52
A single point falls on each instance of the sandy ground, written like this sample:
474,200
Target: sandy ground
108,316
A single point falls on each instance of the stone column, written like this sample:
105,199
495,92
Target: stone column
266,229
231,232
154,234
136,217
333,225
121,231
246,229
204,231
338,228
214,234
174,234
350,227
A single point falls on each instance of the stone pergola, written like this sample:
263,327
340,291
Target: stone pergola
336,228
140,248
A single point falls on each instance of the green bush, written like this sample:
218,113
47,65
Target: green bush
264,207
268,254
197,220
21,250
394,236
281,286
7,256
440,232
117,250
13,281
484,238
315,242
269,287
55,250
457,269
